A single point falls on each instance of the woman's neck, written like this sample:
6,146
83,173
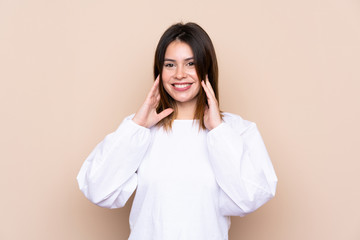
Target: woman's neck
185,110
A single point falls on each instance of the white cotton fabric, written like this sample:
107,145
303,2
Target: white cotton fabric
188,181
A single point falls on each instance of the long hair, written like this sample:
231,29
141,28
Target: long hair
205,64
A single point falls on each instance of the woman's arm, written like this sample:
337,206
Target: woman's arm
239,158
241,165
108,176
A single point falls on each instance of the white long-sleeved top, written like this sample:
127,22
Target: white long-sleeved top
188,181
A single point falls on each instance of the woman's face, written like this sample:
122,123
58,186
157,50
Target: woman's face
179,75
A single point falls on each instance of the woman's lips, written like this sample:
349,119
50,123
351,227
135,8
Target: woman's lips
181,86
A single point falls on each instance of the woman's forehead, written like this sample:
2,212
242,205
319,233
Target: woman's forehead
178,50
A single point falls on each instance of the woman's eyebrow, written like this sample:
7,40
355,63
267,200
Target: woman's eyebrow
172,60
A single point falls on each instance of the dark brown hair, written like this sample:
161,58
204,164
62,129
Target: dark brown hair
205,65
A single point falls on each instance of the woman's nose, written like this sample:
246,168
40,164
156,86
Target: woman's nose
180,72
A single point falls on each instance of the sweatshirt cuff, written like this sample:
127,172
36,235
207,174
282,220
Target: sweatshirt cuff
217,130
128,126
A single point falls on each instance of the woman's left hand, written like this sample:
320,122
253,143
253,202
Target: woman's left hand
212,117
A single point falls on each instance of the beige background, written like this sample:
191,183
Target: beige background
72,70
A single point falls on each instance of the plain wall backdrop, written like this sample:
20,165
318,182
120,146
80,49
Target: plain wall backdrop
70,72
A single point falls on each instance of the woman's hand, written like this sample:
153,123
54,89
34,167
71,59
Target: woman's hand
212,117
147,116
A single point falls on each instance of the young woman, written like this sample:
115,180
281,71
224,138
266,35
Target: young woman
192,166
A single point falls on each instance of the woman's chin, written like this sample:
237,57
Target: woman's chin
185,100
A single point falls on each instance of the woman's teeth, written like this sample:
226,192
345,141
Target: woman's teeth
182,85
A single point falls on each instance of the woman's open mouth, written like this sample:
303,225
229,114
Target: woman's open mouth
182,86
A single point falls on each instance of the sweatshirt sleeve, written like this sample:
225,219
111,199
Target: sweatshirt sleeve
108,176
242,166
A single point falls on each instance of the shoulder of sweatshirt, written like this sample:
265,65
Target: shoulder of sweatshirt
237,122
129,117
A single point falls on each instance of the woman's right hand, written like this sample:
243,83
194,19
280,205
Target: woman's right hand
147,116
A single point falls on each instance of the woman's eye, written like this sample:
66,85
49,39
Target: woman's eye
169,65
191,64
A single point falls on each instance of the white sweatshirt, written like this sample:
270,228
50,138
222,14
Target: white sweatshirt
188,181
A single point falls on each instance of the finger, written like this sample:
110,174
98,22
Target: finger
213,97
156,93
156,84
207,91
165,113
155,88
